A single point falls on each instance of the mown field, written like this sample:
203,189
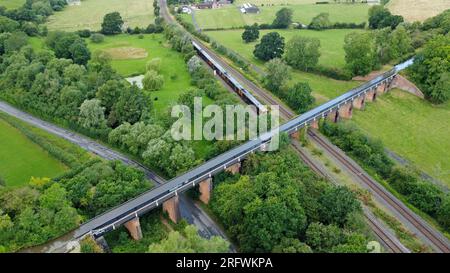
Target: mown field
412,128
20,158
89,15
173,68
11,4
331,43
418,10
230,16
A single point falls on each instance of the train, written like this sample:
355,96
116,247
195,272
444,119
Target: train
230,80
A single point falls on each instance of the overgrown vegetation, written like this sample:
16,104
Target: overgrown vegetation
371,155
287,208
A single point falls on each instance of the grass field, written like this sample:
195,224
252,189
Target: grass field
20,158
11,4
418,10
412,128
89,15
331,43
230,16
332,51
173,68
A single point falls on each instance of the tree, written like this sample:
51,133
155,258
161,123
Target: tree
443,213
80,53
360,53
336,204
321,21
270,47
154,64
322,238
302,52
92,114
381,17
431,69
188,241
278,73
153,81
97,38
109,94
289,245
299,97
112,23
132,106
400,42
251,33
15,41
283,18
194,64
8,25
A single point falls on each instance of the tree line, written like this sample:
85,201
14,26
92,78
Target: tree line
371,154
287,208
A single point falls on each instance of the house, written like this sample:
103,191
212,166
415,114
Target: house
249,8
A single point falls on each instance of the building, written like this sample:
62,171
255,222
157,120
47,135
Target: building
249,8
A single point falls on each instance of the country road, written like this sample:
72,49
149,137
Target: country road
189,210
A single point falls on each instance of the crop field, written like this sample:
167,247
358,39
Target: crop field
418,10
331,43
130,55
11,4
20,158
412,128
89,15
230,16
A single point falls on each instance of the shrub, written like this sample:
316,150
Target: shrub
97,38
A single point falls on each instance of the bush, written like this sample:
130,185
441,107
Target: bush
97,38
85,33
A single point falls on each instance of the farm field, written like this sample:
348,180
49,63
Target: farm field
11,4
331,43
418,10
230,16
412,128
89,15
140,51
20,158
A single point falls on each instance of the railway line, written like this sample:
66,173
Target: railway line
440,243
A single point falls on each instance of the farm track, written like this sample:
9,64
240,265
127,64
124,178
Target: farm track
438,241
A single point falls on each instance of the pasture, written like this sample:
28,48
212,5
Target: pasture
418,10
20,158
12,4
412,128
230,16
130,55
89,15
331,43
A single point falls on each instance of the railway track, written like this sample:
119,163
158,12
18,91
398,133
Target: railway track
432,235
391,244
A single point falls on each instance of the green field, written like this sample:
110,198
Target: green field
89,15
176,76
11,4
20,158
332,51
331,43
412,128
230,16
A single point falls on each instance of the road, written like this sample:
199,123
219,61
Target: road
191,212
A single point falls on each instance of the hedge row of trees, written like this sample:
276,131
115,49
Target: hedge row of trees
287,208
371,154
46,209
